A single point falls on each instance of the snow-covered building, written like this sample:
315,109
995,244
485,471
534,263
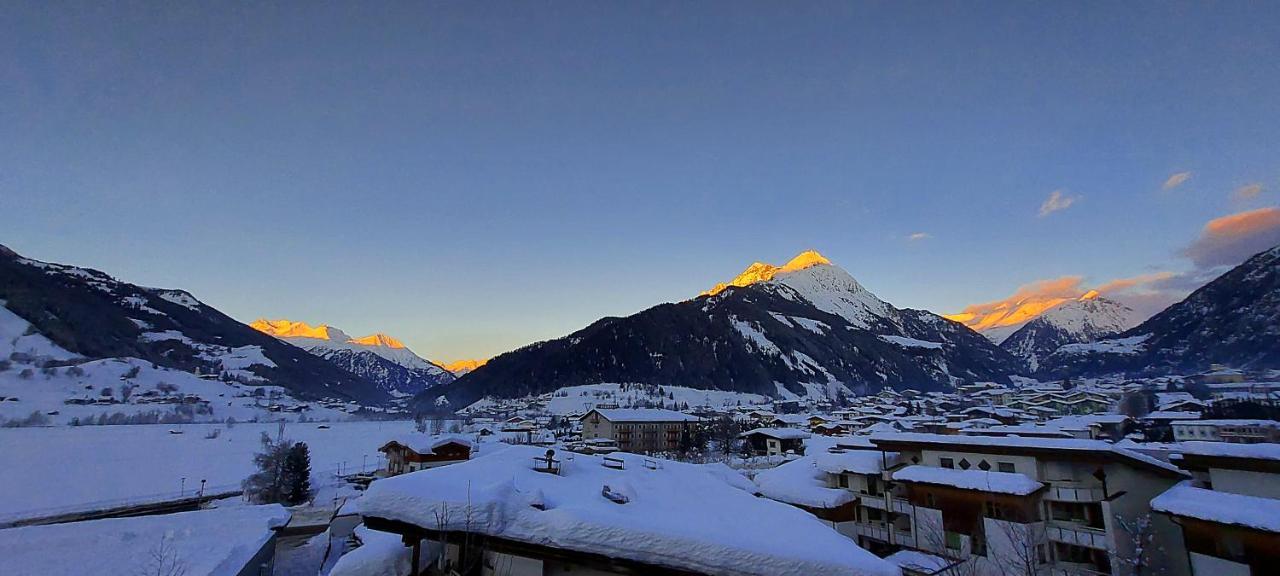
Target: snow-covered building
1230,512
420,452
1025,505
599,517
775,441
638,429
1232,431
236,541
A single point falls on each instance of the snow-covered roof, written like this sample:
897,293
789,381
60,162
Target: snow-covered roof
1220,507
1171,415
855,461
1235,422
998,482
425,444
778,433
801,482
218,542
1048,445
917,561
379,554
1261,451
643,415
681,516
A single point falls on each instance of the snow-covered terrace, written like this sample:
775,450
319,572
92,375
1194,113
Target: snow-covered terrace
218,542
1188,501
803,482
675,515
994,482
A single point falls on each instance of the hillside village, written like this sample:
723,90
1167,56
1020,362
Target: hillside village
1092,477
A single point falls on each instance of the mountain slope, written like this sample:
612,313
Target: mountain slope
93,315
1233,320
1084,319
379,358
804,329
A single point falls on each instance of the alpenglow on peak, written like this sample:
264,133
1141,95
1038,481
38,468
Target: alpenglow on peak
763,272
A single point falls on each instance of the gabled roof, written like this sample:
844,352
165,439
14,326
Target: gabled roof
777,433
641,415
1220,507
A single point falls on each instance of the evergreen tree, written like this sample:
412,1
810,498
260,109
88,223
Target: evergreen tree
297,473
268,485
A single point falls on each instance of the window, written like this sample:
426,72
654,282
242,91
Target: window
953,540
947,463
842,480
1005,466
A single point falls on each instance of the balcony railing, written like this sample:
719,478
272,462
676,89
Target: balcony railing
1076,569
1077,534
1075,492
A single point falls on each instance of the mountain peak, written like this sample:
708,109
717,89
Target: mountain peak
806,259
763,271
379,339
283,328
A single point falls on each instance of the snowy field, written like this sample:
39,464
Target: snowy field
51,467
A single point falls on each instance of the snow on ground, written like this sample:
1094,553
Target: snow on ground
1130,345
96,387
905,342
677,515
379,554
43,468
581,399
213,542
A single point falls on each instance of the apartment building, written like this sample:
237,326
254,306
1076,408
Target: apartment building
1229,513
1005,505
1232,431
638,429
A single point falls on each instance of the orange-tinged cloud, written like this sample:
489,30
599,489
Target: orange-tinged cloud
1248,191
1176,180
1229,240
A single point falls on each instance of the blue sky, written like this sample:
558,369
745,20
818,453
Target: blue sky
471,177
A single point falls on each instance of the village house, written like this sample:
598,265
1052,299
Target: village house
1230,513
638,429
774,441
419,453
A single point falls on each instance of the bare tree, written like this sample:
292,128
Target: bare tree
932,537
1141,560
1023,553
163,560
437,425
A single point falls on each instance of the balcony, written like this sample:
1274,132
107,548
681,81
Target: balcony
877,531
1075,492
1076,569
1077,534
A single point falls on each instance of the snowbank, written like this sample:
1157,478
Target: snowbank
998,482
803,483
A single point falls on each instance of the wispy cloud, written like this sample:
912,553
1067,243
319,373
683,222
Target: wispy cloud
918,236
1229,240
1176,180
1056,201
1247,192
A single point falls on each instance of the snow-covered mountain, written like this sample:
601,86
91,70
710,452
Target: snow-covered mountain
76,327
1233,320
460,367
806,328
377,357
1083,319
